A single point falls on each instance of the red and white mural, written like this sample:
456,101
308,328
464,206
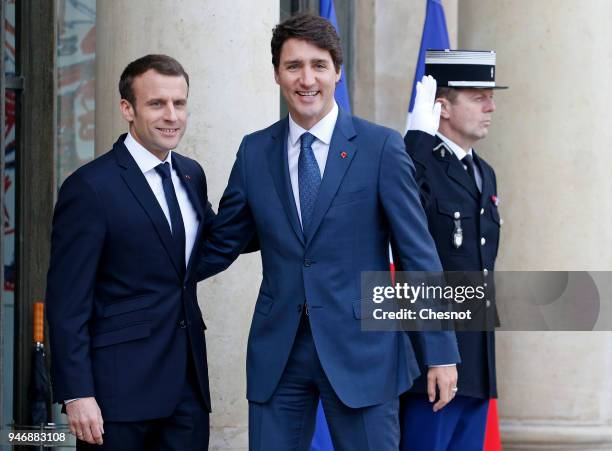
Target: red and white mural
76,54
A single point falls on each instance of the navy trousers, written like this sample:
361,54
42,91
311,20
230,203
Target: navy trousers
187,429
459,426
286,421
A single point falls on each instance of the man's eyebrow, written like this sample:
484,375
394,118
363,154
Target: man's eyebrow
160,100
312,61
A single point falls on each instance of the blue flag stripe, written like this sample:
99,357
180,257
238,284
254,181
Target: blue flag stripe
435,36
327,10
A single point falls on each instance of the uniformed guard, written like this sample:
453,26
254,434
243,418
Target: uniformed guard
459,194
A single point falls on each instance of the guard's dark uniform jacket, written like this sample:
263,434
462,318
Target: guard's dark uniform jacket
451,199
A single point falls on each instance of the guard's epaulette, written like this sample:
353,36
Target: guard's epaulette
442,151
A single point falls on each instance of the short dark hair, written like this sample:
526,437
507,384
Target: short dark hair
162,64
310,28
447,93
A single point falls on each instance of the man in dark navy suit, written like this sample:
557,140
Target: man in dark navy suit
127,336
459,194
325,193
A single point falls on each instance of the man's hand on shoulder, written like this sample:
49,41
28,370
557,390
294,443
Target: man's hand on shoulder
85,420
445,378
425,114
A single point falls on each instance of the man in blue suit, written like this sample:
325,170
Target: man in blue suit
127,336
459,195
325,193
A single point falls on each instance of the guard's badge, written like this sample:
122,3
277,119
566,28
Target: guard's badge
458,238
458,232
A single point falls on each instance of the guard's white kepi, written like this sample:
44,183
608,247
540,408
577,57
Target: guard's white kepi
462,68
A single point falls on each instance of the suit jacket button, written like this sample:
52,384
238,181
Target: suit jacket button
483,241
485,272
182,324
307,263
482,211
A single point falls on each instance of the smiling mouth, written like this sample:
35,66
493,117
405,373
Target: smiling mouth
307,93
168,131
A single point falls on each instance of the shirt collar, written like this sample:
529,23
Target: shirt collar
322,130
455,148
144,159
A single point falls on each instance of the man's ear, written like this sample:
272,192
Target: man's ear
276,76
445,104
127,110
338,75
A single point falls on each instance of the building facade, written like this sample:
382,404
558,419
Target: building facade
60,68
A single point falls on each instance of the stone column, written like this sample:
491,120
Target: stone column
549,144
225,48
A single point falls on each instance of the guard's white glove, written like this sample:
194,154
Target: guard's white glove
425,115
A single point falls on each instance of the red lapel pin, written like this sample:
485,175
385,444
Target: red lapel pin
495,200
187,177
343,154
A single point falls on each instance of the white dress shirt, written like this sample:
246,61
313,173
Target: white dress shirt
147,162
322,131
460,153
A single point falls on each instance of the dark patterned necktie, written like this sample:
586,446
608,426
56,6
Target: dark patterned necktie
309,178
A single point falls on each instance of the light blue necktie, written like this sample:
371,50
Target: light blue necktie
309,178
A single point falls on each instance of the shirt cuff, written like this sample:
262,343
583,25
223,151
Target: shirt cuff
440,366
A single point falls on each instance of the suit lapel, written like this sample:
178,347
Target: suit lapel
137,183
279,168
455,169
339,158
188,181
